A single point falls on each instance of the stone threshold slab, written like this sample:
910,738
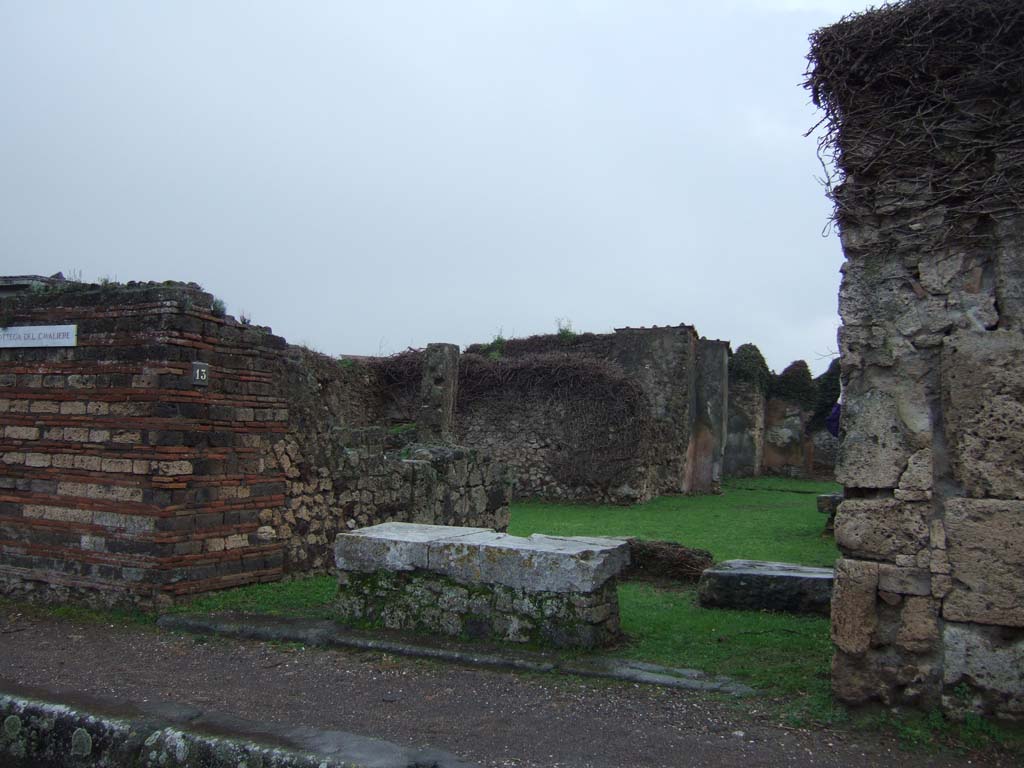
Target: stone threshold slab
43,727
326,633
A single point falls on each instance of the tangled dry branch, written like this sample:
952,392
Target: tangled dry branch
923,106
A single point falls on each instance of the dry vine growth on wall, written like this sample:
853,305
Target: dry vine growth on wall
926,98
605,415
924,120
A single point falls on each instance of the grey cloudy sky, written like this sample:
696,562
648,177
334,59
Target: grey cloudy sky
368,176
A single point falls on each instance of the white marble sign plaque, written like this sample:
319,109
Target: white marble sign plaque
39,336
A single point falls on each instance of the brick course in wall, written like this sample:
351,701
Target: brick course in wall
115,473
121,481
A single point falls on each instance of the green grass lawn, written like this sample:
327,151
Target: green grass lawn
754,519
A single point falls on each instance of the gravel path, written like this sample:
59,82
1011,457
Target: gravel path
493,718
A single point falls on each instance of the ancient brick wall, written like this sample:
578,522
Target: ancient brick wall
929,595
118,475
122,481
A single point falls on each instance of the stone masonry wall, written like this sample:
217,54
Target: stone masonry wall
787,448
426,602
365,483
121,481
745,432
706,450
929,595
684,382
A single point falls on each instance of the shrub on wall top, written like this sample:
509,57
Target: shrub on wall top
795,385
747,365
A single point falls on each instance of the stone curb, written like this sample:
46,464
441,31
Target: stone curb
38,733
331,634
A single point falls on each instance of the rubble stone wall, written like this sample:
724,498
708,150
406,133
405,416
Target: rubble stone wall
787,449
536,438
678,449
744,450
425,602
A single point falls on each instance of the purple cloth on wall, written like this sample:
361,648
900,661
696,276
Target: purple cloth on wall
832,422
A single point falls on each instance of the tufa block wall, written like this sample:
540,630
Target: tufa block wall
929,591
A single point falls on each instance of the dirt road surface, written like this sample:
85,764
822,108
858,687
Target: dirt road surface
490,717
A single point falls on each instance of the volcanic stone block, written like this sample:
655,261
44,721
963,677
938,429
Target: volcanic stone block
438,391
854,615
538,563
882,529
755,585
876,446
989,661
983,401
985,546
393,546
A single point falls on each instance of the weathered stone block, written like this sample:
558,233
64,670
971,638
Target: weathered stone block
882,529
983,407
916,481
875,448
392,546
984,669
854,596
438,392
755,585
904,581
985,546
542,563
918,630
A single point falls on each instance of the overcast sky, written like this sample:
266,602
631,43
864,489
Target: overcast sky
369,176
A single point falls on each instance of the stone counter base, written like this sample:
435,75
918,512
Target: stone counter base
427,602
